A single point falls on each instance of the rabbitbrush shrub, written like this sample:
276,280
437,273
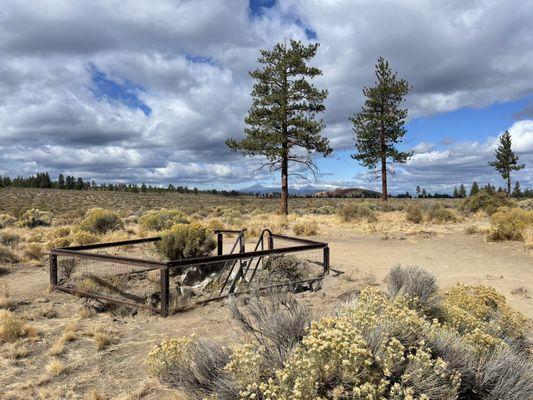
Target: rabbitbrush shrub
34,217
158,220
100,221
510,224
376,346
7,256
185,241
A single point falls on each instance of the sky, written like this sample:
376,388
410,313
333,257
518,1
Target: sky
139,91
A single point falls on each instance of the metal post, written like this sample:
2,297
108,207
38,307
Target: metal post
326,260
220,243
53,270
164,291
242,248
270,242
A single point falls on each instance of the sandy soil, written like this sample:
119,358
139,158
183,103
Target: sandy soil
118,371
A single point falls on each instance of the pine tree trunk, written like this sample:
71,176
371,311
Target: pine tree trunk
284,205
509,184
384,194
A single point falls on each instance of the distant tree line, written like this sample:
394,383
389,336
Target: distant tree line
42,180
460,192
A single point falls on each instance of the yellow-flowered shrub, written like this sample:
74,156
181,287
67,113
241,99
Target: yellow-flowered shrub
158,220
510,224
470,308
377,347
100,221
169,354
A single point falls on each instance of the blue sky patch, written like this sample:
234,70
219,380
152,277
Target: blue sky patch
257,7
126,93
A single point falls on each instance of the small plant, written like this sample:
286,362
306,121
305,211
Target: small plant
8,238
5,302
34,218
510,224
102,337
416,284
7,256
33,251
195,366
471,229
440,214
12,327
305,228
185,241
82,238
55,368
100,221
6,220
163,219
414,214
357,212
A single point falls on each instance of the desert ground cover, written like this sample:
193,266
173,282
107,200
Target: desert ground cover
53,346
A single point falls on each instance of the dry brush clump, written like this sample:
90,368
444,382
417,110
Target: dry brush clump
511,224
305,228
163,219
357,212
378,345
100,221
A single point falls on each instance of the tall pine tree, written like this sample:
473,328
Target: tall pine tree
282,124
506,160
379,126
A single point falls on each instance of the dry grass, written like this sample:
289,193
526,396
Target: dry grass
13,327
5,302
103,337
55,368
305,228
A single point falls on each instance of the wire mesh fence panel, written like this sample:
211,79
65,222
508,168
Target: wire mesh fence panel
133,273
143,250
109,280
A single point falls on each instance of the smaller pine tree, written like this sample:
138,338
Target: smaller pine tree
517,191
506,160
474,189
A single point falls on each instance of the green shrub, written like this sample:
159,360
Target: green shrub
34,217
33,251
325,210
414,214
6,220
486,201
82,238
7,256
357,212
185,241
440,214
510,224
100,221
158,220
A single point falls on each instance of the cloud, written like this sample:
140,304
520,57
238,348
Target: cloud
139,91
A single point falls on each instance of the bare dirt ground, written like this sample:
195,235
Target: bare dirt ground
118,370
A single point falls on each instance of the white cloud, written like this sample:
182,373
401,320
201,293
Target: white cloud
454,53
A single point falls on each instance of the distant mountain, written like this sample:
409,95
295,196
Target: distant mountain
307,190
349,193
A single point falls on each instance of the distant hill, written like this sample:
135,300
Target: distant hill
308,190
350,193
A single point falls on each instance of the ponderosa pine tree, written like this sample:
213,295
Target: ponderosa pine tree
282,124
506,160
379,126
474,189
517,191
